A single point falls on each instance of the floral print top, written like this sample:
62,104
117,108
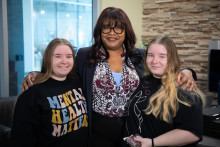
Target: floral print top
109,100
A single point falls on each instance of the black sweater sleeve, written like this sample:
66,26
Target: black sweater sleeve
25,121
190,117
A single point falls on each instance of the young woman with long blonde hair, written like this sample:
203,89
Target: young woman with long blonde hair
160,113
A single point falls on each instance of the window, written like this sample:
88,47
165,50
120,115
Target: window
69,19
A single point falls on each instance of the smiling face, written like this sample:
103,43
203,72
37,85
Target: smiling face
113,41
62,62
157,59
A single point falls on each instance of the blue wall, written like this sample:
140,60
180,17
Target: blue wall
16,39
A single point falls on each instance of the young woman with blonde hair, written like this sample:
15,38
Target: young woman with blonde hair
160,113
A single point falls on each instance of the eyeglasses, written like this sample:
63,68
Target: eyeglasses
117,29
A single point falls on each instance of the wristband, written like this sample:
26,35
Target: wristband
152,139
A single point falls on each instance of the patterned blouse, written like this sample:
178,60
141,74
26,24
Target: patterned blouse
108,100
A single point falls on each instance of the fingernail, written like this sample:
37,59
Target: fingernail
31,84
184,89
138,136
176,86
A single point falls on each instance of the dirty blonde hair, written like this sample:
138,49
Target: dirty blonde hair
165,102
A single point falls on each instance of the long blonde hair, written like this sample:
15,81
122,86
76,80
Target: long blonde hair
46,67
165,102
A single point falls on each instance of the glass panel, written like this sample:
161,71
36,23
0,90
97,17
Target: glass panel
69,19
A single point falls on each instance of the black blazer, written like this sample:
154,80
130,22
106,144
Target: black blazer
86,74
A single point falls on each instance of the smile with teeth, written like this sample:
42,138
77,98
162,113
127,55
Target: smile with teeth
112,39
63,67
